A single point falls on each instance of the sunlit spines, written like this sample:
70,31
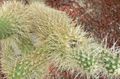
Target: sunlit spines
14,34
32,66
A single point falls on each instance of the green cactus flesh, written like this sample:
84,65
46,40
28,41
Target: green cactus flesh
26,68
5,29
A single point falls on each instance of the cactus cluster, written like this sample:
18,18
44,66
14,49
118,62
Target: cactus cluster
35,36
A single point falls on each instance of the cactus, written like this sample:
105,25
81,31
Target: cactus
12,23
93,60
14,34
32,66
69,47
45,21
12,53
36,36
61,38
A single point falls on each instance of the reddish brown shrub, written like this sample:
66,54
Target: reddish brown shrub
1,1
71,7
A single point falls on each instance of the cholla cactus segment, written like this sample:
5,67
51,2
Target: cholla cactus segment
72,49
45,21
59,37
67,46
111,63
14,34
13,19
32,66
109,60
15,14
84,60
